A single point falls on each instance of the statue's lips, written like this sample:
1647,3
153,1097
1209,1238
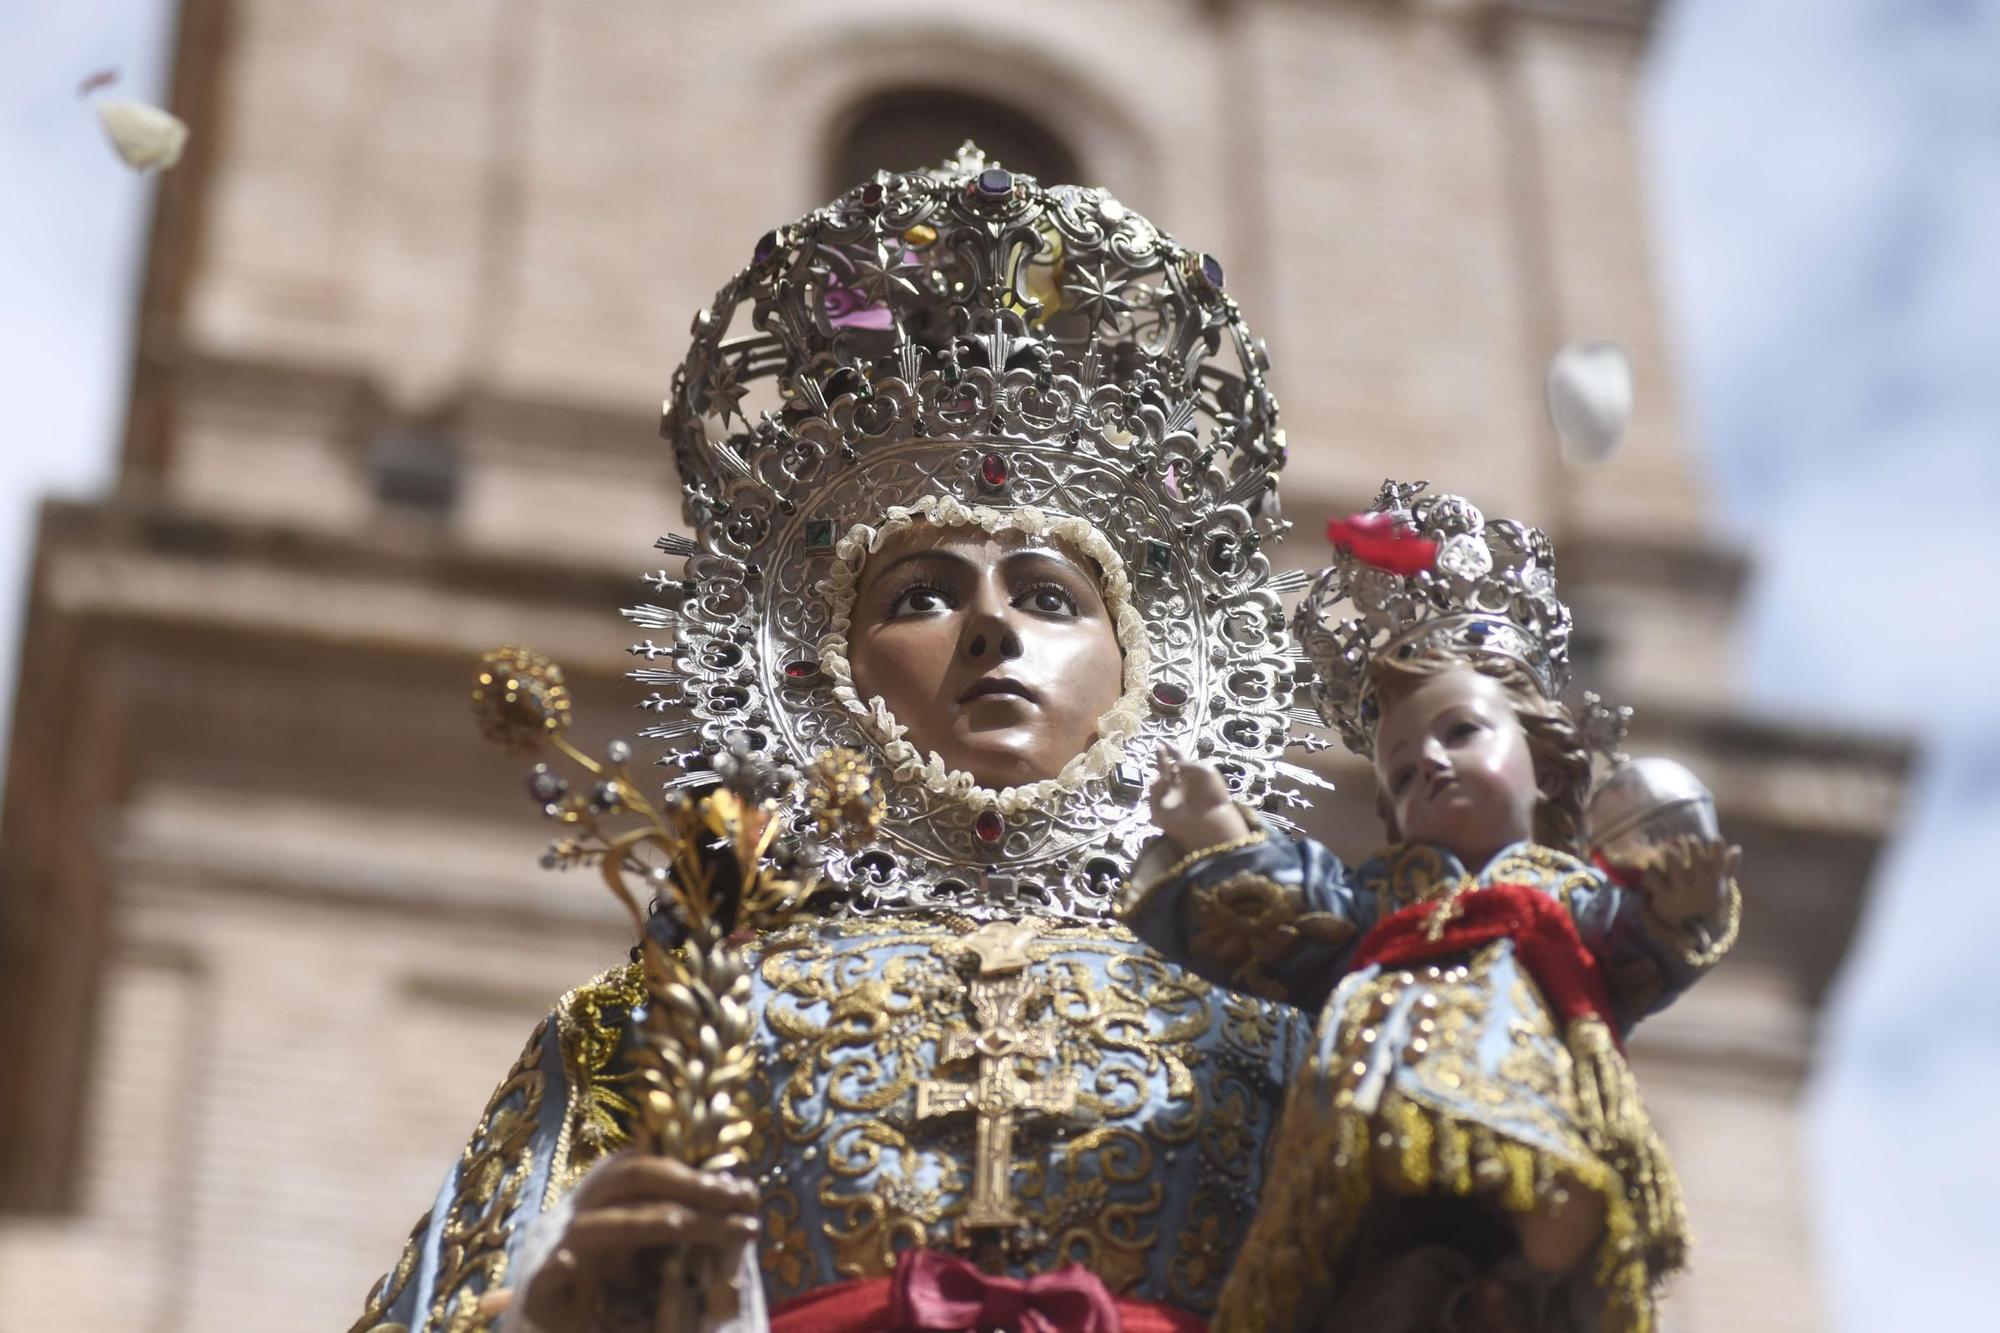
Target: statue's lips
998,687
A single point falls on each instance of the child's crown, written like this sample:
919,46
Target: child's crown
1419,573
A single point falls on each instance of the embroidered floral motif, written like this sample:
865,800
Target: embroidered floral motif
1250,924
590,1024
1175,1085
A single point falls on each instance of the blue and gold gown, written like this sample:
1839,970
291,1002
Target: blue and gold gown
1143,1100
1451,1078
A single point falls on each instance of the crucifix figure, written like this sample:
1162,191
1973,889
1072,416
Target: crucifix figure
1002,993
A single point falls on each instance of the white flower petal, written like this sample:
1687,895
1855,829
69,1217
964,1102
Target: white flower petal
147,138
1590,399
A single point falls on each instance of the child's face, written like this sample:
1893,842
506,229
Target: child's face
1454,763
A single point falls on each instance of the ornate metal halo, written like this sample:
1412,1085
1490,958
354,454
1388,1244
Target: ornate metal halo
966,333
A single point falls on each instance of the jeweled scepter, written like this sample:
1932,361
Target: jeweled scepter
714,867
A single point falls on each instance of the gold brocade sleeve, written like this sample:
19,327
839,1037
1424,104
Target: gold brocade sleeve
466,1247
531,1145
390,1287
1249,923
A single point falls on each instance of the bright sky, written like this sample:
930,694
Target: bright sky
1828,175
72,232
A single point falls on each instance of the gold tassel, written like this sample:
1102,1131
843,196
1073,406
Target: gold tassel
1310,1211
1614,1119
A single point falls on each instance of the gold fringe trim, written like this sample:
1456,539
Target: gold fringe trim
1614,1119
1334,1163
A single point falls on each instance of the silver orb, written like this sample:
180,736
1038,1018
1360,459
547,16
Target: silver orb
1647,802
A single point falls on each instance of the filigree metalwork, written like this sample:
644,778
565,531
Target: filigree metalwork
895,343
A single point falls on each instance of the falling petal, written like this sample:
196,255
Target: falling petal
148,138
1590,399
102,78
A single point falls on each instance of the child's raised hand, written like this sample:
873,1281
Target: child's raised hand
1687,879
1191,805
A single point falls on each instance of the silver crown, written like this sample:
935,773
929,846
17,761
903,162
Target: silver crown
1491,589
967,332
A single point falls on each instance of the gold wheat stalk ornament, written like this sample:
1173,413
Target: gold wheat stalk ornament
708,860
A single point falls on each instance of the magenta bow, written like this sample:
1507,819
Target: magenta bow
938,1292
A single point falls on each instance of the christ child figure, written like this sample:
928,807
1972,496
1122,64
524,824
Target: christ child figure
1465,1147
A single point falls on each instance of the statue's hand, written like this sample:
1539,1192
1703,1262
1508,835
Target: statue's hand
628,1203
1687,879
1190,804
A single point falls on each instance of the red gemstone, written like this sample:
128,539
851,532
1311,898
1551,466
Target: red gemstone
993,470
989,826
1169,696
804,668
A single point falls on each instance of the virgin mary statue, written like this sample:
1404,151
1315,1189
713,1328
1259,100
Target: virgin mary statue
979,470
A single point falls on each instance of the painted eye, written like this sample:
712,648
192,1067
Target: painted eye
1400,779
919,601
1049,600
1462,731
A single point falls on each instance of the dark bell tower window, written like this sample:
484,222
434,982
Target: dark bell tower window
920,127
415,468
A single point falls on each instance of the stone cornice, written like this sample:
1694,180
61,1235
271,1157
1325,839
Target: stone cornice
137,529
1696,566
1634,15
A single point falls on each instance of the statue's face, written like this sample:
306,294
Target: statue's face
995,652
1455,766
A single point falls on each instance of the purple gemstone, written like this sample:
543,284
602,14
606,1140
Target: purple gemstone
1211,268
767,245
996,181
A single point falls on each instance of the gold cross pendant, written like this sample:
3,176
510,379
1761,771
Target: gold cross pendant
1002,993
